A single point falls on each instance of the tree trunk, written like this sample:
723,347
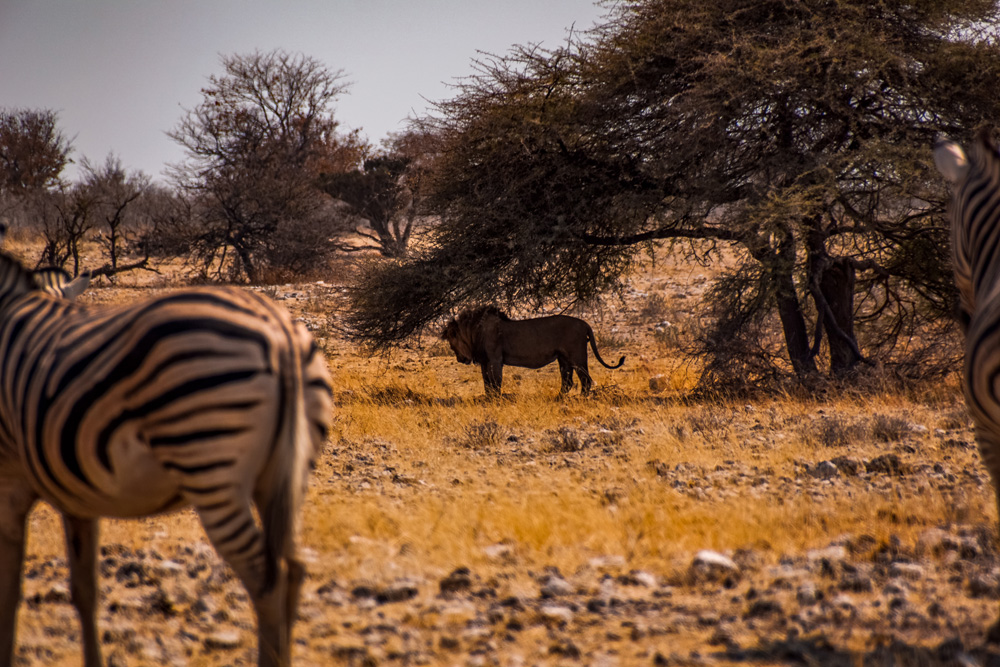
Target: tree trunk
837,287
794,325
781,265
247,261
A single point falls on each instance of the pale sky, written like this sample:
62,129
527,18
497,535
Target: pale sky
120,72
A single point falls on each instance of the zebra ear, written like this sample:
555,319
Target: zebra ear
76,287
951,160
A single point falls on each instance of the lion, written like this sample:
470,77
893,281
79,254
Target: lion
488,337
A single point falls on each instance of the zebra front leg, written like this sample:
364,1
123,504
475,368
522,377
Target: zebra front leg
81,547
15,503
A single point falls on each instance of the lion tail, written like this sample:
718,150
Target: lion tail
597,355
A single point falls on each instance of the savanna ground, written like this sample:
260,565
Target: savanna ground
443,529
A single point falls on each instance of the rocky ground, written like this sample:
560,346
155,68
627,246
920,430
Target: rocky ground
857,600
910,591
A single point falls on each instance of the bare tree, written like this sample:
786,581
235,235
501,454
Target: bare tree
65,218
252,145
116,196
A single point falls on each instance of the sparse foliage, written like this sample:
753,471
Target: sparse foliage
120,220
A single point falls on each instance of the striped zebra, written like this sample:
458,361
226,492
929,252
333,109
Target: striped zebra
975,239
211,398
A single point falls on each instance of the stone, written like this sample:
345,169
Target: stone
555,586
710,565
222,640
556,614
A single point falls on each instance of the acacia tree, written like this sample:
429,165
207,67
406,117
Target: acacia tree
384,192
251,145
795,133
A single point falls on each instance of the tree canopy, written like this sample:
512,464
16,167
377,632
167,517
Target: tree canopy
796,133
33,150
255,144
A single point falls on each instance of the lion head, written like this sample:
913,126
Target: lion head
465,332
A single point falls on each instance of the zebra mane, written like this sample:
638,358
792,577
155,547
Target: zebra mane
15,280
983,150
57,282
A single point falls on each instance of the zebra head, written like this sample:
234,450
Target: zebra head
58,283
16,281
956,165
973,210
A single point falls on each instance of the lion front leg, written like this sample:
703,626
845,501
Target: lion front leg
492,377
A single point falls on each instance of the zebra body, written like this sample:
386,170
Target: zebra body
975,235
212,398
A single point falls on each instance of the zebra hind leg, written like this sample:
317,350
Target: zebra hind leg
989,451
233,531
81,548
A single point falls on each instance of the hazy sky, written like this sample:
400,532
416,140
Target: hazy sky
121,72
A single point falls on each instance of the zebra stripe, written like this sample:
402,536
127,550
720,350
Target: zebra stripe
975,235
212,398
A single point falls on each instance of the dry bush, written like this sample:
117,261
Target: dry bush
654,308
837,431
483,435
889,428
396,394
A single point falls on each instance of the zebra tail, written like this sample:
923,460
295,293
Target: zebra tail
288,469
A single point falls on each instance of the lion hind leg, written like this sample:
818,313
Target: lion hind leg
566,373
585,380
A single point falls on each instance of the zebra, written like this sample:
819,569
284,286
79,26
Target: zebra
205,397
975,231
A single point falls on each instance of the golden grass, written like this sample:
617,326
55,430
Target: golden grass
473,492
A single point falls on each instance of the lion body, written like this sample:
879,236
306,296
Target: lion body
487,337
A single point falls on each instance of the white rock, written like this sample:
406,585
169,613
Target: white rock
224,639
835,554
556,614
556,586
906,570
710,565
